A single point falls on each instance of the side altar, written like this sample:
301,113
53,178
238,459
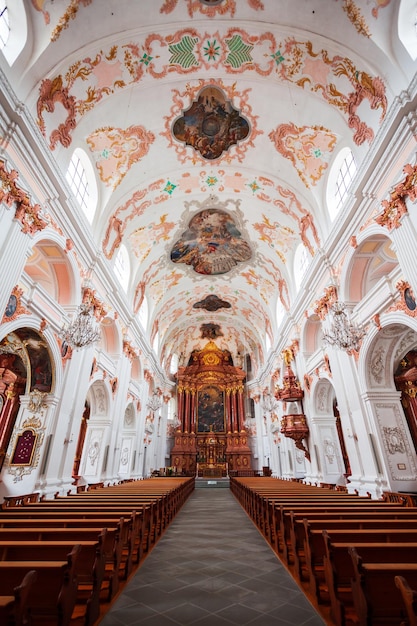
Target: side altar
211,438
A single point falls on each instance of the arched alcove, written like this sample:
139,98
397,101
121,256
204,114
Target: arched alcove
95,451
330,449
111,340
382,354
49,267
312,335
373,259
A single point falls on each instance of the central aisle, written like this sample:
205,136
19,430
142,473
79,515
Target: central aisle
212,567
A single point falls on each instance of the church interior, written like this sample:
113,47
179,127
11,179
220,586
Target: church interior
208,243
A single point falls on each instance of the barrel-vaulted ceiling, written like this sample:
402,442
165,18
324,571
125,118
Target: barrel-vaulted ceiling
212,127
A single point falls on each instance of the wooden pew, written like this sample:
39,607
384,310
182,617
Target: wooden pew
44,529
338,570
52,597
409,597
377,599
157,508
130,528
11,501
293,528
251,493
115,511
136,527
14,609
152,511
315,549
274,508
89,570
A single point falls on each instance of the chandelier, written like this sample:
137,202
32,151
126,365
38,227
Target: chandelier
343,334
83,330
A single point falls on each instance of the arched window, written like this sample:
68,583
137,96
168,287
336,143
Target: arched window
340,178
267,343
280,312
122,267
143,313
173,366
4,24
155,344
13,29
301,262
407,27
81,179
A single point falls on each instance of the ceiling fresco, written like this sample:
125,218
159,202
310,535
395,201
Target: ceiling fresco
212,303
212,244
212,128
211,125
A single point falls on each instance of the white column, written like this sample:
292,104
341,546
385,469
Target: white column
404,244
117,412
393,446
14,252
355,425
65,424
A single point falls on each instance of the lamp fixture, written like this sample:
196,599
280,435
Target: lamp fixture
342,334
83,330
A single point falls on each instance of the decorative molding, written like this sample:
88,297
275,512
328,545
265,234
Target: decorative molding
14,307
115,150
129,350
37,401
28,214
183,101
394,439
324,304
407,303
396,207
186,51
309,148
26,442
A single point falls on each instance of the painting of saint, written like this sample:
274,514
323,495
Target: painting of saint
210,410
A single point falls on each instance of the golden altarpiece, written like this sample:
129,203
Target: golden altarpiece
211,439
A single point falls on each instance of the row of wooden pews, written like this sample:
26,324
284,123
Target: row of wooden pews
355,558
64,561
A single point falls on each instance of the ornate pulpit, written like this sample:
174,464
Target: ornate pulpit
211,438
293,425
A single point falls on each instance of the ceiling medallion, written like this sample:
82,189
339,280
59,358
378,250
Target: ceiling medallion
212,244
212,303
211,125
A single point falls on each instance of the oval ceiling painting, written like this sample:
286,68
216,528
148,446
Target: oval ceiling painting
211,125
212,244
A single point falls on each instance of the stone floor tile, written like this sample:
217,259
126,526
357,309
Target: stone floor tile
212,567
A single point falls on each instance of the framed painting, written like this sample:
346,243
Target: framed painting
211,416
24,448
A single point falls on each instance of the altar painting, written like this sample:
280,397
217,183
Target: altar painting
211,410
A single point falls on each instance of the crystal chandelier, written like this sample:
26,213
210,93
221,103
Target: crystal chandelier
343,334
83,330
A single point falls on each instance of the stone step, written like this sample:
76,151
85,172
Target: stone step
210,483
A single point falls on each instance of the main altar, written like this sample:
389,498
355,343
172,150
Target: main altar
211,439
